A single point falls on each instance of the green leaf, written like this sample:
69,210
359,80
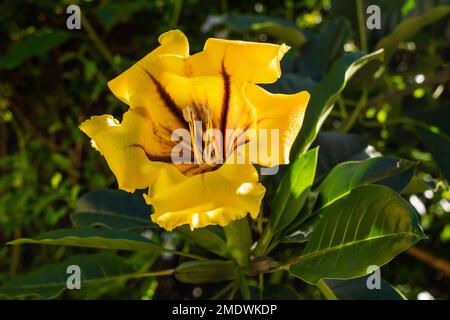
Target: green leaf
279,28
35,45
276,291
324,95
113,13
338,147
409,27
439,145
368,227
324,48
114,209
99,238
50,281
357,289
239,241
292,191
389,171
207,271
206,238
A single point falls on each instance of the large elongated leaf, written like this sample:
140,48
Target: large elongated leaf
99,238
206,238
207,271
324,95
438,143
409,27
324,48
50,280
357,289
291,193
35,45
239,241
392,172
115,209
338,147
279,28
368,227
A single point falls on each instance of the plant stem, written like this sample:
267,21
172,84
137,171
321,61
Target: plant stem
101,47
361,25
178,5
360,107
263,242
326,291
261,285
185,254
16,254
166,272
223,291
233,292
433,261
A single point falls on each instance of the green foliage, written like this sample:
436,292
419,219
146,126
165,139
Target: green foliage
324,95
94,238
49,281
356,289
409,27
368,227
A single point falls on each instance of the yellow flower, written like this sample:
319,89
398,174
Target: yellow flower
169,89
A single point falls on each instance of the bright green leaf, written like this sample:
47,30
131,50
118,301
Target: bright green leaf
368,227
50,281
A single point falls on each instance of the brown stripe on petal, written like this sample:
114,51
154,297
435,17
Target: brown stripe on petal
166,98
225,100
152,157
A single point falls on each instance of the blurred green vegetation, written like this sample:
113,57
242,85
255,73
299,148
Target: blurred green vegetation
53,78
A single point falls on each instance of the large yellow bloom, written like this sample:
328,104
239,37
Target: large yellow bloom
169,89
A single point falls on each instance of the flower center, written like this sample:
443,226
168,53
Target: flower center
205,142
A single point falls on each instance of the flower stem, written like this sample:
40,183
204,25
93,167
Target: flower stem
361,25
326,291
264,242
101,47
185,254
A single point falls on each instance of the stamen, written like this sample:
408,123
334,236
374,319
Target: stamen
195,127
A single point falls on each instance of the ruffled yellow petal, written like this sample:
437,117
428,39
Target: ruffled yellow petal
283,112
140,86
243,61
216,197
124,146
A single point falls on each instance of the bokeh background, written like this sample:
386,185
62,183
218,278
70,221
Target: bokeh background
53,78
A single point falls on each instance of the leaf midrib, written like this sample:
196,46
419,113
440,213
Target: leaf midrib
341,246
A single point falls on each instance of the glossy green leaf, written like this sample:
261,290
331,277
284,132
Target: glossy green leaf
206,238
370,226
279,28
357,289
114,209
324,48
338,147
409,27
99,238
392,172
207,271
50,281
292,191
113,13
324,95
239,241
438,143
37,44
